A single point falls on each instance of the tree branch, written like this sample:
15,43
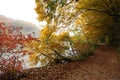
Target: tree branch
57,53
47,56
107,12
96,10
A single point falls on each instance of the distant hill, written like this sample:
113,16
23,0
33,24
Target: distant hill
28,28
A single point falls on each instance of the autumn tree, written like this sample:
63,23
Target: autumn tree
12,43
59,38
49,47
85,21
100,19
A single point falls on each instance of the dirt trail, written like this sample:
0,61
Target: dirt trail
103,65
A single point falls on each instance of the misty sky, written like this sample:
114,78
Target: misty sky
19,9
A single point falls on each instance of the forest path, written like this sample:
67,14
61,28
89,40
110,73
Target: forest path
103,65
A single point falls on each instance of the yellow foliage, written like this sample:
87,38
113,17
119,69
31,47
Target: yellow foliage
87,20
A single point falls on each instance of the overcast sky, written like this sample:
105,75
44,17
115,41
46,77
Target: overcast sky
19,9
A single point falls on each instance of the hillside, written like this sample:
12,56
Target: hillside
28,27
103,65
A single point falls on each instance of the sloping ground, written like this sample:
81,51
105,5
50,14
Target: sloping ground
103,65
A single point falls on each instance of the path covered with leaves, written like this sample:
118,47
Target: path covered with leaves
103,65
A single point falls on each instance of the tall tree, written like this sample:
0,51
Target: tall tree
84,21
102,16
